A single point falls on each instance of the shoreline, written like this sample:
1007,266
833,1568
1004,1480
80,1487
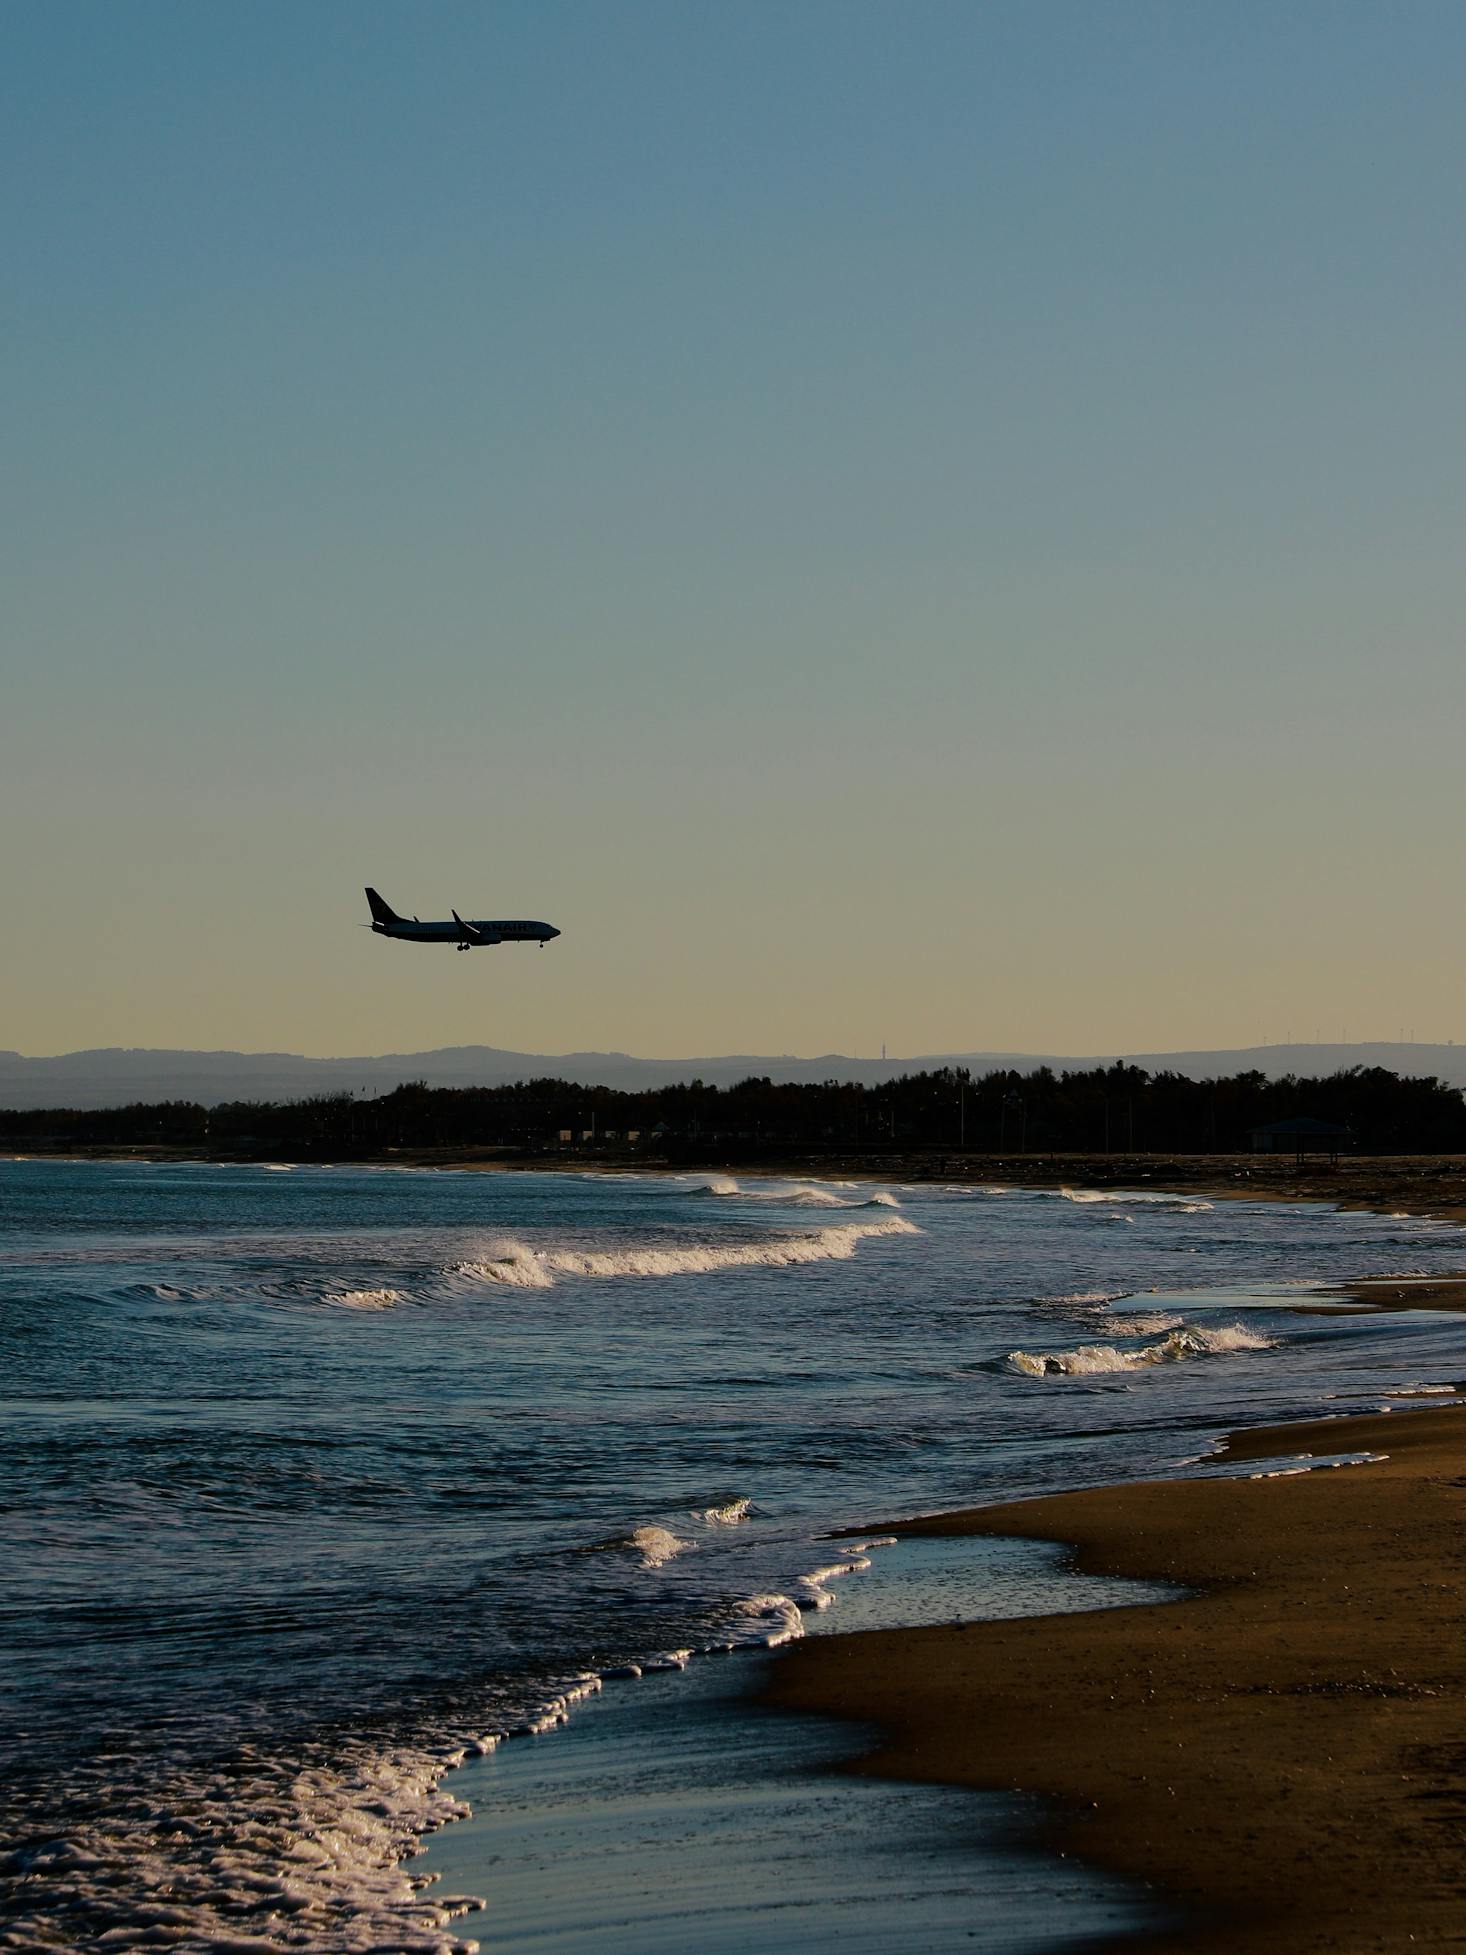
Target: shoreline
1037,1519
1410,1184
1281,1754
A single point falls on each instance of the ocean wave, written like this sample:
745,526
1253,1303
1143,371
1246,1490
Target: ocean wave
1147,1323
1082,1300
1317,1463
1185,1341
551,1715
317,1864
536,1269
519,1267
728,1515
1180,1204
654,1544
804,1194
364,1299
814,1587
987,1190
765,1621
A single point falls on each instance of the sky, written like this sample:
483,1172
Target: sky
936,525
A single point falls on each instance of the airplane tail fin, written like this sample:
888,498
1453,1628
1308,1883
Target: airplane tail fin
381,912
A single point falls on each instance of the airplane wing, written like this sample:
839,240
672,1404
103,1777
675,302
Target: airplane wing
468,935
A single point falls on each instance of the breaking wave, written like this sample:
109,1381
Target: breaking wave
656,1545
1178,1204
653,1544
316,1865
804,1194
1182,1342
1148,1323
1083,1301
728,1515
364,1299
814,1587
766,1620
536,1269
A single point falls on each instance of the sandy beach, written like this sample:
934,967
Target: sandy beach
1282,1754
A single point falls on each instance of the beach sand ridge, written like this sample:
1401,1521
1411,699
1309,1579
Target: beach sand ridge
1282,1754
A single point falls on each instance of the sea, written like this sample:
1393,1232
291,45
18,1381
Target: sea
327,1488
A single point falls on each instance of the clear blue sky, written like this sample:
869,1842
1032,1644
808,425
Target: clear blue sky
926,523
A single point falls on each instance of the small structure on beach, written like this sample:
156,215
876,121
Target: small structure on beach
1301,1136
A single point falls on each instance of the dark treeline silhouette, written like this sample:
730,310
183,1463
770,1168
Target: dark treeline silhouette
1116,1109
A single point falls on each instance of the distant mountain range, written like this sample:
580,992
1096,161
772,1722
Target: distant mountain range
117,1075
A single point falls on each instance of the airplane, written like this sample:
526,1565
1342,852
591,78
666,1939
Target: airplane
467,936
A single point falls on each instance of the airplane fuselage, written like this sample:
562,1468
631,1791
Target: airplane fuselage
487,930
468,933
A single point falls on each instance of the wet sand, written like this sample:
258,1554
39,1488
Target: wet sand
1409,1293
1282,1754
670,1816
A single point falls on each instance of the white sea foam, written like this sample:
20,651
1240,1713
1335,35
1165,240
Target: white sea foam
1183,1204
1308,1463
728,1515
989,1189
656,1545
364,1299
814,1587
557,1711
266,1857
765,1620
1186,1341
261,1859
803,1194
537,1269
519,1267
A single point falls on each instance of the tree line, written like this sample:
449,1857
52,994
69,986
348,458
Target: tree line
1105,1109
